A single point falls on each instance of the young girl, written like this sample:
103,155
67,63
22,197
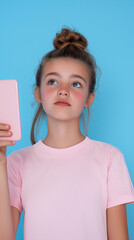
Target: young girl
71,187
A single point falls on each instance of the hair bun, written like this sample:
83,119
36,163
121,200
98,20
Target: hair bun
69,37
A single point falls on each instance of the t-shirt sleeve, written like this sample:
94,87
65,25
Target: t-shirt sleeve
119,185
14,181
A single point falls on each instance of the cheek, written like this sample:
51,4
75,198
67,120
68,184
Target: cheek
80,99
46,95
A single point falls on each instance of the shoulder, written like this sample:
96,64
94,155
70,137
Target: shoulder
20,154
21,151
105,147
106,151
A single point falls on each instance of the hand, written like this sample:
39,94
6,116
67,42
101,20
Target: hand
4,143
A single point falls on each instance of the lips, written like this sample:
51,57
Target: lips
62,102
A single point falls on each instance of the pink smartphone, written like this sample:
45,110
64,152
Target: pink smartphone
9,108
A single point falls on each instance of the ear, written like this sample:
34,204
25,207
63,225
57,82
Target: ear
90,99
37,94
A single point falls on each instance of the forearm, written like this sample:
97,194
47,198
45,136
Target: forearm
6,223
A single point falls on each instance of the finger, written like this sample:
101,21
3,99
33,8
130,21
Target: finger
5,133
7,143
4,126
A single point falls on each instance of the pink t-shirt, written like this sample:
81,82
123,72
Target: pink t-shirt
65,192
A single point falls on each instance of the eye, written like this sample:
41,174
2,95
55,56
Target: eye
78,83
51,81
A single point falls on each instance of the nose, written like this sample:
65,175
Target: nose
63,90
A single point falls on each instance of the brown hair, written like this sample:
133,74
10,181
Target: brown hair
67,43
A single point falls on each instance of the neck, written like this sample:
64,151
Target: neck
62,134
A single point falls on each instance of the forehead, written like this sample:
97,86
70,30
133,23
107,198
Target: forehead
66,66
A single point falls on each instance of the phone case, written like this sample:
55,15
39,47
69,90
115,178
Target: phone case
9,108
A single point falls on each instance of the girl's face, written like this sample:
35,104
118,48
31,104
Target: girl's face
66,79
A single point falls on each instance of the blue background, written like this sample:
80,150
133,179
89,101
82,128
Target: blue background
27,29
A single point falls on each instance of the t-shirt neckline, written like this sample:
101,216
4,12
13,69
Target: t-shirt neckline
73,149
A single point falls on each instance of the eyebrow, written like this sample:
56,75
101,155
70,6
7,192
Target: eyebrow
57,74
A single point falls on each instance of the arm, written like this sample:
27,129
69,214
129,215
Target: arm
117,223
6,223
16,218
